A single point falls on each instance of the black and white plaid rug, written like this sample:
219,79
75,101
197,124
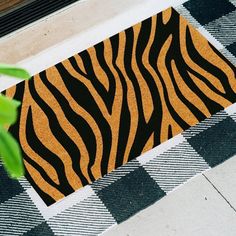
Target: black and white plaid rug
143,181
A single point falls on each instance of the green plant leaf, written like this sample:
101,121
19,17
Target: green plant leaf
8,110
14,71
11,154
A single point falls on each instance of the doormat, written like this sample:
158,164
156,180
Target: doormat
16,14
103,107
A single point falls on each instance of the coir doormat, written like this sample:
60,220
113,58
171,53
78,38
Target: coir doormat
103,107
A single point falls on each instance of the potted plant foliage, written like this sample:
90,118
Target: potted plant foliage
10,151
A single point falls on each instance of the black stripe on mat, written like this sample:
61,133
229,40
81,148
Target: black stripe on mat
29,13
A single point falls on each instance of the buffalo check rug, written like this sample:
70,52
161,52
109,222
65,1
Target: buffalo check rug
50,202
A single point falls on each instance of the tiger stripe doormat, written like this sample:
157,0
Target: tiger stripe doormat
90,114
113,73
